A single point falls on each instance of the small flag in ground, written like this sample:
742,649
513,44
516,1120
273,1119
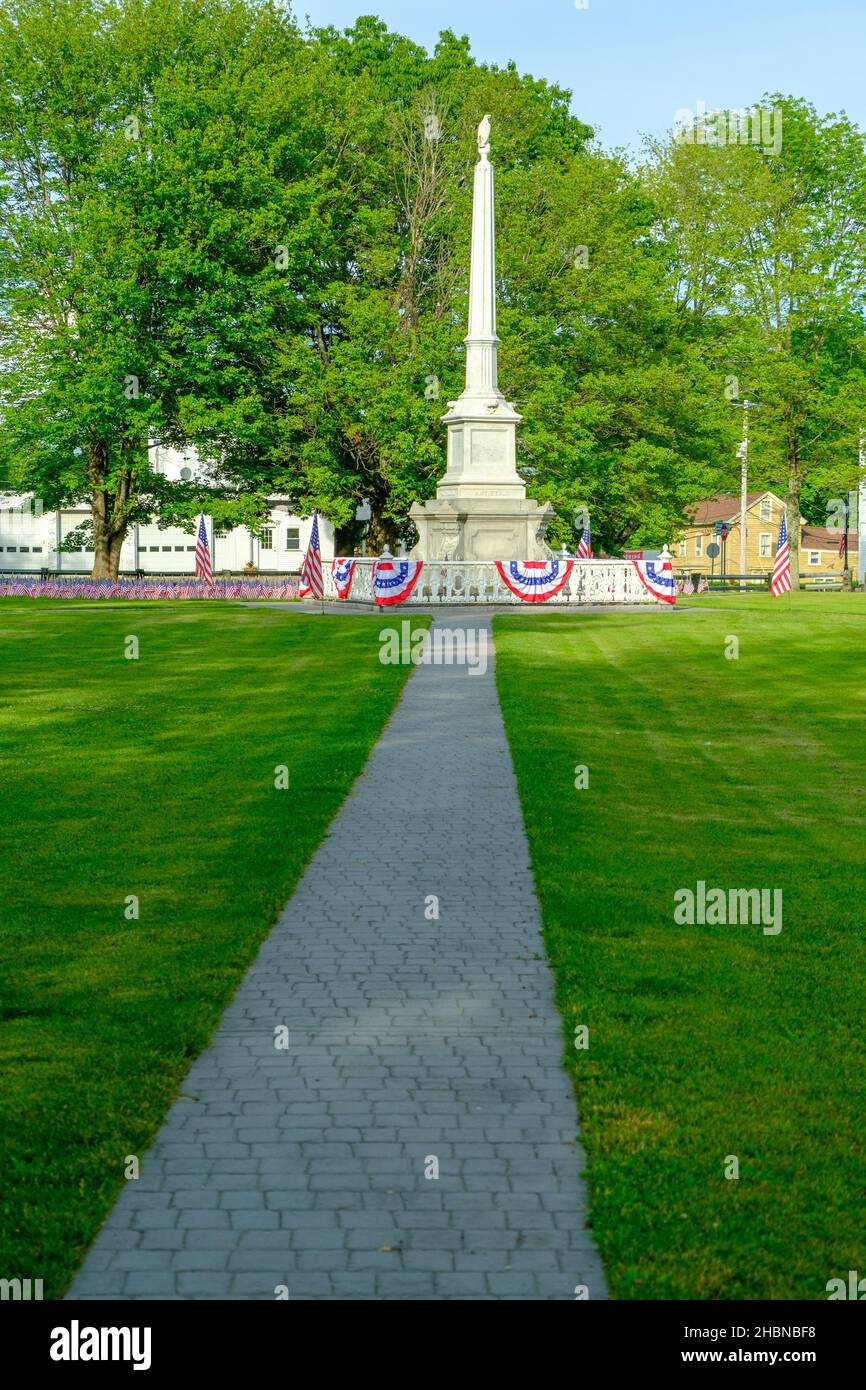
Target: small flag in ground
781,580
311,573
584,549
203,568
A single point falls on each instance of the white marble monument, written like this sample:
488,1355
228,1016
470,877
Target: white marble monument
481,511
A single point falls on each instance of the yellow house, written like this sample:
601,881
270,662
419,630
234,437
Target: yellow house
819,546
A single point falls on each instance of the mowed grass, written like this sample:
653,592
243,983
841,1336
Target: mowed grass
706,1041
155,778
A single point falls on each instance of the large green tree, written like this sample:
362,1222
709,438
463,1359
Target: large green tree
769,244
153,154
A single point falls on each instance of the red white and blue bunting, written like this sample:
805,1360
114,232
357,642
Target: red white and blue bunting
534,581
394,580
658,577
343,572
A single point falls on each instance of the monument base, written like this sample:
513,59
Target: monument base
481,528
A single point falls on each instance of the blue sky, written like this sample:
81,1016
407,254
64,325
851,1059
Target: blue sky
632,64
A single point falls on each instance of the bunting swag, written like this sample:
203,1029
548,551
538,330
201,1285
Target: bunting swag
394,580
534,581
343,572
658,578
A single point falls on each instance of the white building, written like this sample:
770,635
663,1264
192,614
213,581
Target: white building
29,537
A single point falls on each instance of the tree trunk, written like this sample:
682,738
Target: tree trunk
109,510
106,556
380,533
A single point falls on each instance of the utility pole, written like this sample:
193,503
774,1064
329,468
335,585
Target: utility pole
744,489
861,512
743,456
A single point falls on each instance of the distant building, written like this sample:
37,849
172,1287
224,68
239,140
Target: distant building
29,538
819,546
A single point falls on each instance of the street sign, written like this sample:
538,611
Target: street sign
724,531
718,528
712,550
641,554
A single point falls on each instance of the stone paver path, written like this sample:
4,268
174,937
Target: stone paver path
413,1043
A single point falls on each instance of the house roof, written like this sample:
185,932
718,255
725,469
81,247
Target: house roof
822,538
724,507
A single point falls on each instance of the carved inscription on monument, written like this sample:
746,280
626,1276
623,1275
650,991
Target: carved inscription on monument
489,446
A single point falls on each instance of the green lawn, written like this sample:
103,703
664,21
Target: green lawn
706,1041
155,778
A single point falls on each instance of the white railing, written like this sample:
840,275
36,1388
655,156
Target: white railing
468,582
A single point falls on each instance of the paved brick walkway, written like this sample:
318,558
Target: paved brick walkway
410,1040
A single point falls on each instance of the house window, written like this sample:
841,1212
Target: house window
190,547
814,557
699,547
766,547
167,547
25,550
37,550
11,549
293,538
154,547
268,538
682,549
766,509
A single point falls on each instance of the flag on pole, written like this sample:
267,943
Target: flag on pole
311,573
203,570
584,549
781,580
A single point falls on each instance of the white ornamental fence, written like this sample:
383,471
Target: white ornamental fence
467,582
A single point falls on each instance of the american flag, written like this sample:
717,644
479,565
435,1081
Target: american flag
203,569
781,580
584,549
311,574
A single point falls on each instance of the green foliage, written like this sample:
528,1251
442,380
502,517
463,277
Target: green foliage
220,232
770,251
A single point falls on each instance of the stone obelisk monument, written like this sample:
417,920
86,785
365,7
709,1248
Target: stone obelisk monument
481,511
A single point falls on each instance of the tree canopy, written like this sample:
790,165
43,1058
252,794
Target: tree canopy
220,231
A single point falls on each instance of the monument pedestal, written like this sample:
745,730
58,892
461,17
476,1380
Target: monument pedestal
481,528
